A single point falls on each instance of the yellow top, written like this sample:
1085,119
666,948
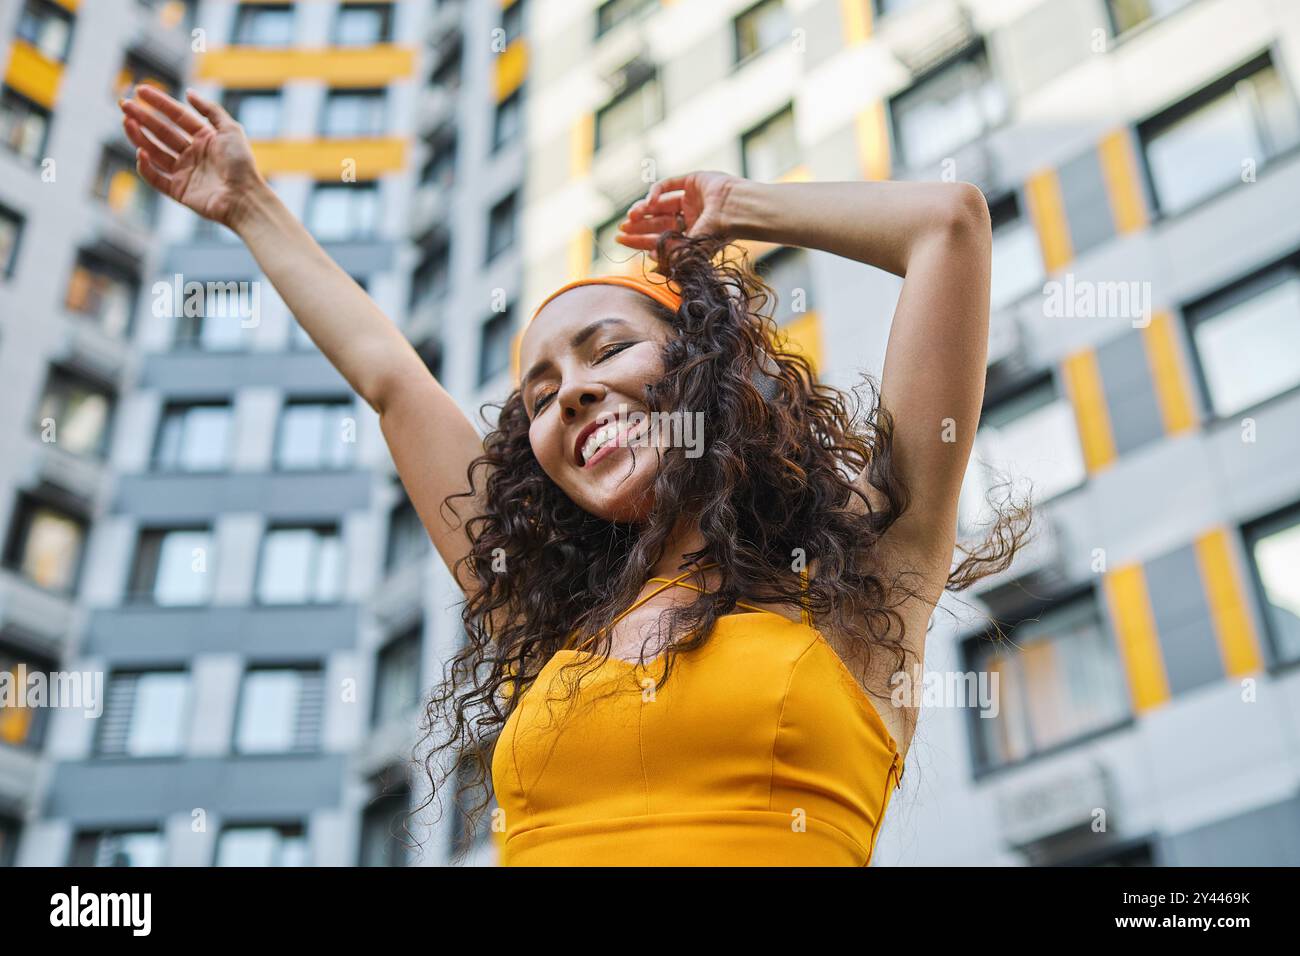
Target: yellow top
761,750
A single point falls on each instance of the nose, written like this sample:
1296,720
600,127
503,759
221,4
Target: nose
576,396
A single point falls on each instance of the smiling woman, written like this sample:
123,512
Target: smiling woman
578,531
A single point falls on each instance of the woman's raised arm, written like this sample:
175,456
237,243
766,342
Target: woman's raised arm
203,161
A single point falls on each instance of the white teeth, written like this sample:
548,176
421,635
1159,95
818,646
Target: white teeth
597,439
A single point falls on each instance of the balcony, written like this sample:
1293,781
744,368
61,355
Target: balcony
436,108
18,768
94,351
1039,568
430,207
926,34
40,618
444,20
79,475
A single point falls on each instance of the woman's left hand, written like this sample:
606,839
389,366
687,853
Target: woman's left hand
695,203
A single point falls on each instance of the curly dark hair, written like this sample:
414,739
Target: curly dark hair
773,487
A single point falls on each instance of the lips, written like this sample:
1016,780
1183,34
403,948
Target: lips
624,429
583,435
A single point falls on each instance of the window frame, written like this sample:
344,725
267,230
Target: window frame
1164,119
1207,307
1032,612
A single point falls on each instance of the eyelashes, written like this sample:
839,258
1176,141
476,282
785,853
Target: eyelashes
610,350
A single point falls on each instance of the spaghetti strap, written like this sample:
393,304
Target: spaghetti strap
659,590
805,614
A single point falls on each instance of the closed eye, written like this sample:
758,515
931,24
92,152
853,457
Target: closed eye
541,401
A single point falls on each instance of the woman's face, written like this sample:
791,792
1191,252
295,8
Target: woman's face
586,360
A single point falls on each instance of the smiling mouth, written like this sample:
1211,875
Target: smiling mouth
603,441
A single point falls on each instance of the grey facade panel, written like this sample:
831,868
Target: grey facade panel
199,374
144,635
1130,393
1190,649
1083,188
203,261
281,496
1268,836
108,793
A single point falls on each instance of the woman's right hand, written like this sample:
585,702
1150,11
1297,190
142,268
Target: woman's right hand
202,160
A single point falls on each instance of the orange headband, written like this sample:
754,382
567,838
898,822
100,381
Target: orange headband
665,292
662,292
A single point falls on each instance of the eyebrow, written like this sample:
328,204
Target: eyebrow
545,365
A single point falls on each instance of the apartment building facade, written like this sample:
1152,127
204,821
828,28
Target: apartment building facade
1140,165
264,612
75,247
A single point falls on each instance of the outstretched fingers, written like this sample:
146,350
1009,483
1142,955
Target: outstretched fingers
158,156
159,127
174,110
151,174
214,111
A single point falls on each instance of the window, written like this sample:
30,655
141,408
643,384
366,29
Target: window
1247,339
258,111
501,227
104,292
8,840
770,149
212,322
383,828
788,272
354,113
24,125
494,346
1059,679
613,12
407,539
139,71
145,714
440,170
363,24
447,74
954,105
1197,147
605,245
1017,256
21,726
761,27
512,21
11,227
1273,544
432,275
74,413
634,109
508,119
1127,14
262,846
45,543
172,14
193,437
280,710
118,848
397,678
117,184
315,435
885,7
263,25
172,567
1031,439
343,211
466,789
300,566
46,27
